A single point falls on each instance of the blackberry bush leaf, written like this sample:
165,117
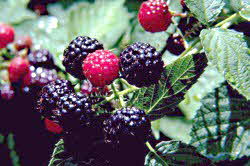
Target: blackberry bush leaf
245,13
221,127
175,153
207,82
228,51
205,11
178,77
59,156
237,5
14,12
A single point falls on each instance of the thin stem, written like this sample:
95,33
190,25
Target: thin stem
154,151
191,47
119,97
114,90
228,21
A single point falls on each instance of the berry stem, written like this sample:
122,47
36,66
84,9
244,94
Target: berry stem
154,151
223,24
4,65
228,21
117,96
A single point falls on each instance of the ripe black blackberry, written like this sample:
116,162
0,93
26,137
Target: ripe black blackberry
175,44
141,64
76,52
41,58
50,95
127,130
74,111
126,124
39,76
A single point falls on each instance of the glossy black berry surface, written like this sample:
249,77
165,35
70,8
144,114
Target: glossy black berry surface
175,44
76,52
41,58
125,124
141,64
50,95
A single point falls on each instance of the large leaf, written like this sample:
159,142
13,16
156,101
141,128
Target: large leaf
221,127
245,13
237,5
175,153
13,11
178,77
228,51
205,11
106,21
207,82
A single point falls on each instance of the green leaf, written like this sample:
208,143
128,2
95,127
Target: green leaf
207,82
107,21
221,127
237,5
175,153
178,77
228,51
245,13
14,12
205,11
168,126
59,156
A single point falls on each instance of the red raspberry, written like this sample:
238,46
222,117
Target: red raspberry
18,68
23,42
154,15
7,92
52,126
101,67
7,35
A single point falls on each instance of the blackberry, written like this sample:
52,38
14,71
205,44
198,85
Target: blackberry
242,27
76,52
39,76
41,58
141,64
74,111
7,92
126,124
175,44
50,95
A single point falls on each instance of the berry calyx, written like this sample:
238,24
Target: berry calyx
101,67
7,92
175,44
52,126
154,16
88,89
18,68
127,123
76,52
7,35
141,64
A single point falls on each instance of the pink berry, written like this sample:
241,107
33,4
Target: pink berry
154,15
7,92
18,68
101,67
52,126
7,35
